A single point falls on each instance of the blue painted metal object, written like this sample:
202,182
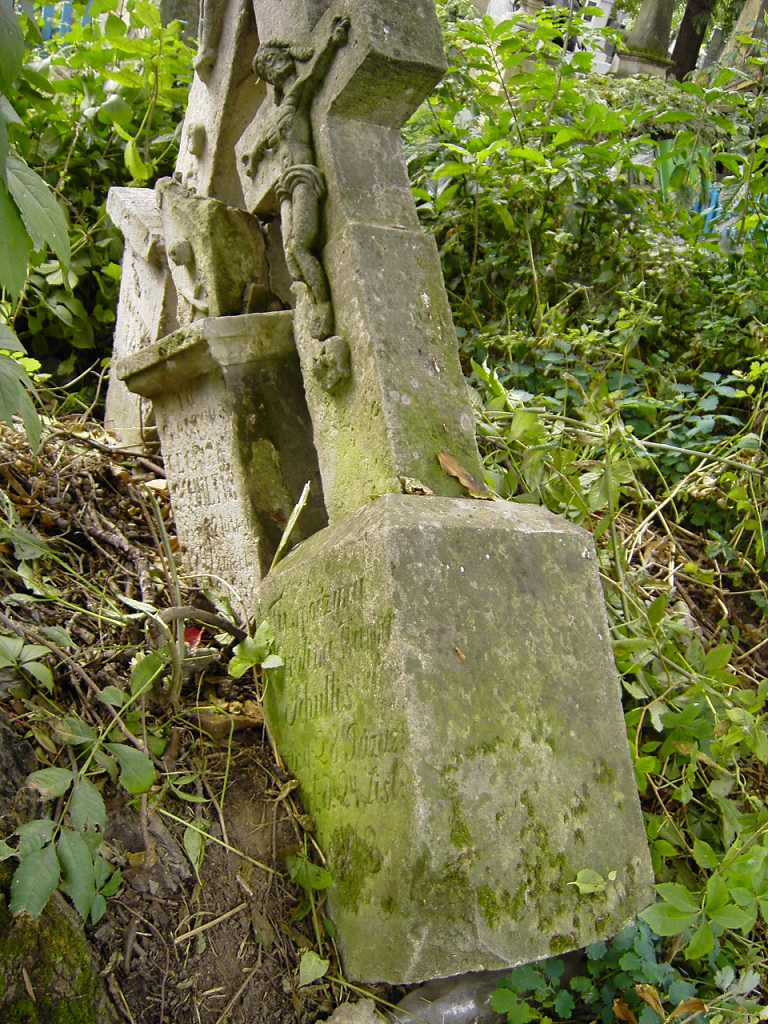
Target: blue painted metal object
64,13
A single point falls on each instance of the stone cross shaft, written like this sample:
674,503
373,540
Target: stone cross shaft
405,400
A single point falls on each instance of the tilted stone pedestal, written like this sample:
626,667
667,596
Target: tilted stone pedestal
450,705
236,440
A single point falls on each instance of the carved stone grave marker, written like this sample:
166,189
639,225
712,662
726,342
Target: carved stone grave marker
449,702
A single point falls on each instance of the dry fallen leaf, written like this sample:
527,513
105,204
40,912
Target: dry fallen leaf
454,468
623,1012
412,486
649,995
460,653
688,1006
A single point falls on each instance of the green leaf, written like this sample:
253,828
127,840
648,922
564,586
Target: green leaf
34,882
14,252
145,672
9,341
112,696
114,883
77,869
717,658
194,844
134,163
312,968
667,920
137,771
86,808
730,916
678,896
6,851
37,670
702,943
704,855
717,894
588,881
564,1004
98,908
34,835
75,731
38,207
252,651
51,782
306,874
657,609
11,47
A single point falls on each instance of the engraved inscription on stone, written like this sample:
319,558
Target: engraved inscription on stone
214,524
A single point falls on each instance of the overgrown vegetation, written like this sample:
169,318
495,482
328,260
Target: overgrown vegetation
614,338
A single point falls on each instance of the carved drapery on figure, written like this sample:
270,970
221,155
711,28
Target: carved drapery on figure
295,74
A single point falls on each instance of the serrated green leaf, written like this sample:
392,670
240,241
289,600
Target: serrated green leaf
14,252
702,942
77,868
34,882
101,871
40,212
11,47
678,896
717,894
6,851
730,916
137,772
33,835
667,920
51,782
56,633
75,731
86,808
312,968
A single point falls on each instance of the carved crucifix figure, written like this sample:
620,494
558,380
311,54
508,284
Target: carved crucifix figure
296,73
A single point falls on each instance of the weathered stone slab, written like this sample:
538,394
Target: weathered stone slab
221,104
147,306
450,706
236,440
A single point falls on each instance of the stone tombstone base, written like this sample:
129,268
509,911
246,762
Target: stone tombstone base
236,440
450,706
625,65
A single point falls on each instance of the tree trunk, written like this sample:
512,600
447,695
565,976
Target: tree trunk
690,37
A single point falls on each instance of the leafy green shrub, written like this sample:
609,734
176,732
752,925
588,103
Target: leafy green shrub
99,107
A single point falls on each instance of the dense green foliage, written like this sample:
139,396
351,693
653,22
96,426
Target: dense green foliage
100,107
616,358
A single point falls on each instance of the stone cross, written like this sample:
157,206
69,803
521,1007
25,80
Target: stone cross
449,701
386,395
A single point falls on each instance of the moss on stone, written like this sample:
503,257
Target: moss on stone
604,774
490,906
561,944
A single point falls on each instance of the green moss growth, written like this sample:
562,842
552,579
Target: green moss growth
389,905
561,944
604,774
460,834
54,952
490,906
352,862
